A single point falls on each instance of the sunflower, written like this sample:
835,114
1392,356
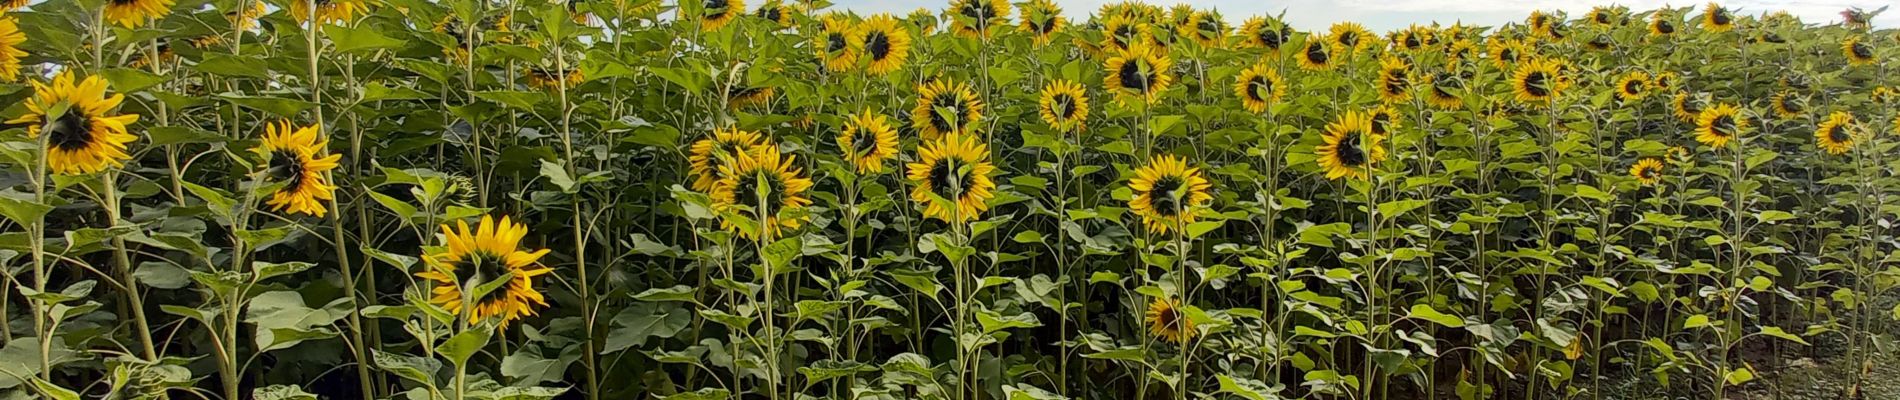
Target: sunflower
1686,107
10,5
1716,18
1538,81
1122,32
1835,134
1166,321
135,13
576,14
1881,94
1395,80
1064,105
1648,171
959,100
1662,24
1140,73
1261,33
247,18
777,12
1411,38
10,53
327,11
1385,120
1857,52
1205,28
1460,50
710,156
86,137
837,43
471,258
885,46
1664,81
549,80
867,140
295,159
1167,192
1350,147
740,96
1042,19
1350,36
1719,124
1787,105
1679,154
1445,89
1633,86
1507,53
1603,15
160,55
1601,42
761,168
1259,87
923,19
975,18
1539,21
1317,54
715,14
955,167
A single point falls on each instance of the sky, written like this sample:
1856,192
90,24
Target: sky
1387,15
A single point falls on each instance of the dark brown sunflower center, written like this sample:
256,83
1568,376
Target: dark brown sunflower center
949,179
1349,38
1123,35
878,44
481,267
771,13
286,167
1723,126
1790,106
980,11
1862,50
1348,151
1395,82
1381,123
1664,27
1720,17
1272,38
747,191
1649,173
863,141
1534,83
1162,197
1412,42
835,43
1507,54
1168,319
1316,53
71,131
1063,106
1045,25
1838,134
714,7
1633,87
1208,27
947,101
1132,76
1602,18
1259,88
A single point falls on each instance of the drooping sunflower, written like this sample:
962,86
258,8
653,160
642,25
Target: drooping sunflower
1857,51
1787,105
977,18
1385,120
1648,171
1139,73
1350,147
956,168
10,53
1395,80
87,137
1261,33
1717,125
884,44
135,13
1167,322
710,156
1537,81
761,168
327,11
1633,86
1317,54
1686,107
1042,18
296,159
1351,36
549,79
1258,87
1167,192
715,14
470,258
1662,24
776,12
837,43
741,96
1064,105
957,98
10,5
1716,18
868,140
1835,134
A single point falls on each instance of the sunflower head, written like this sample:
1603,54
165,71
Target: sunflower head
944,107
1120,32
884,45
952,178
327,11
1663,23
1686,107
1205,28
1166,194
82,133
713,14
761,177
1064,105
1042,19
1539,81
1139,73
1168,322
1857,51
1317,54
1835,134
295,158
1788,105
1716,18
709,157
1258,87
1719,124
777,12
838,43
1884,95
1507,53
1350,148
1446,91
1633,86
868,141
1605,15
10,53
1648,171
1664,81
1395,80
978,18
1262,33
136,13
1350,36
472,258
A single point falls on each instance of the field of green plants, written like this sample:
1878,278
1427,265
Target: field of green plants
656,199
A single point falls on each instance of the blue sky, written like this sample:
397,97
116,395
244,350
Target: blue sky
1385,15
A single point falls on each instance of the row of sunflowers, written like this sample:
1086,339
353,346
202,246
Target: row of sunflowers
525,199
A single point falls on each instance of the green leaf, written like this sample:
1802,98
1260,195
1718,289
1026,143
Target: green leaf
459,348
519,100
169,135
675,293
126,80
1195,230
1776,331
53,391
347,39
1247,388
1426,312
234,66
21,208
415,369
634,325
1696,321
1395,208
281,392
1738,376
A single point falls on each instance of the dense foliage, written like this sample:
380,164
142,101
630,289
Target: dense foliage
630,199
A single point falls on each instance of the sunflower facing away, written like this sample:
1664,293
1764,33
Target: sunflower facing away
1350,148
1648,171
957,99
1445,89
1167,322
1716,18
976,18
1633,86
1042,19
1537,81
1858,52
740,96
868,140
1316,54
1167,191
761,167
86,138
549,80
715,14
296,159
957,169
1686,107
10,53
1261,33
1880,94
1835,134
1064,106
1138,73
1787,105
709,156
884,44
837,43
470,258
1395,80
327,11
1259,87
1717,125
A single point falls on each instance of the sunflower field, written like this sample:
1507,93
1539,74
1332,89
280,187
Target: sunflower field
659,199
